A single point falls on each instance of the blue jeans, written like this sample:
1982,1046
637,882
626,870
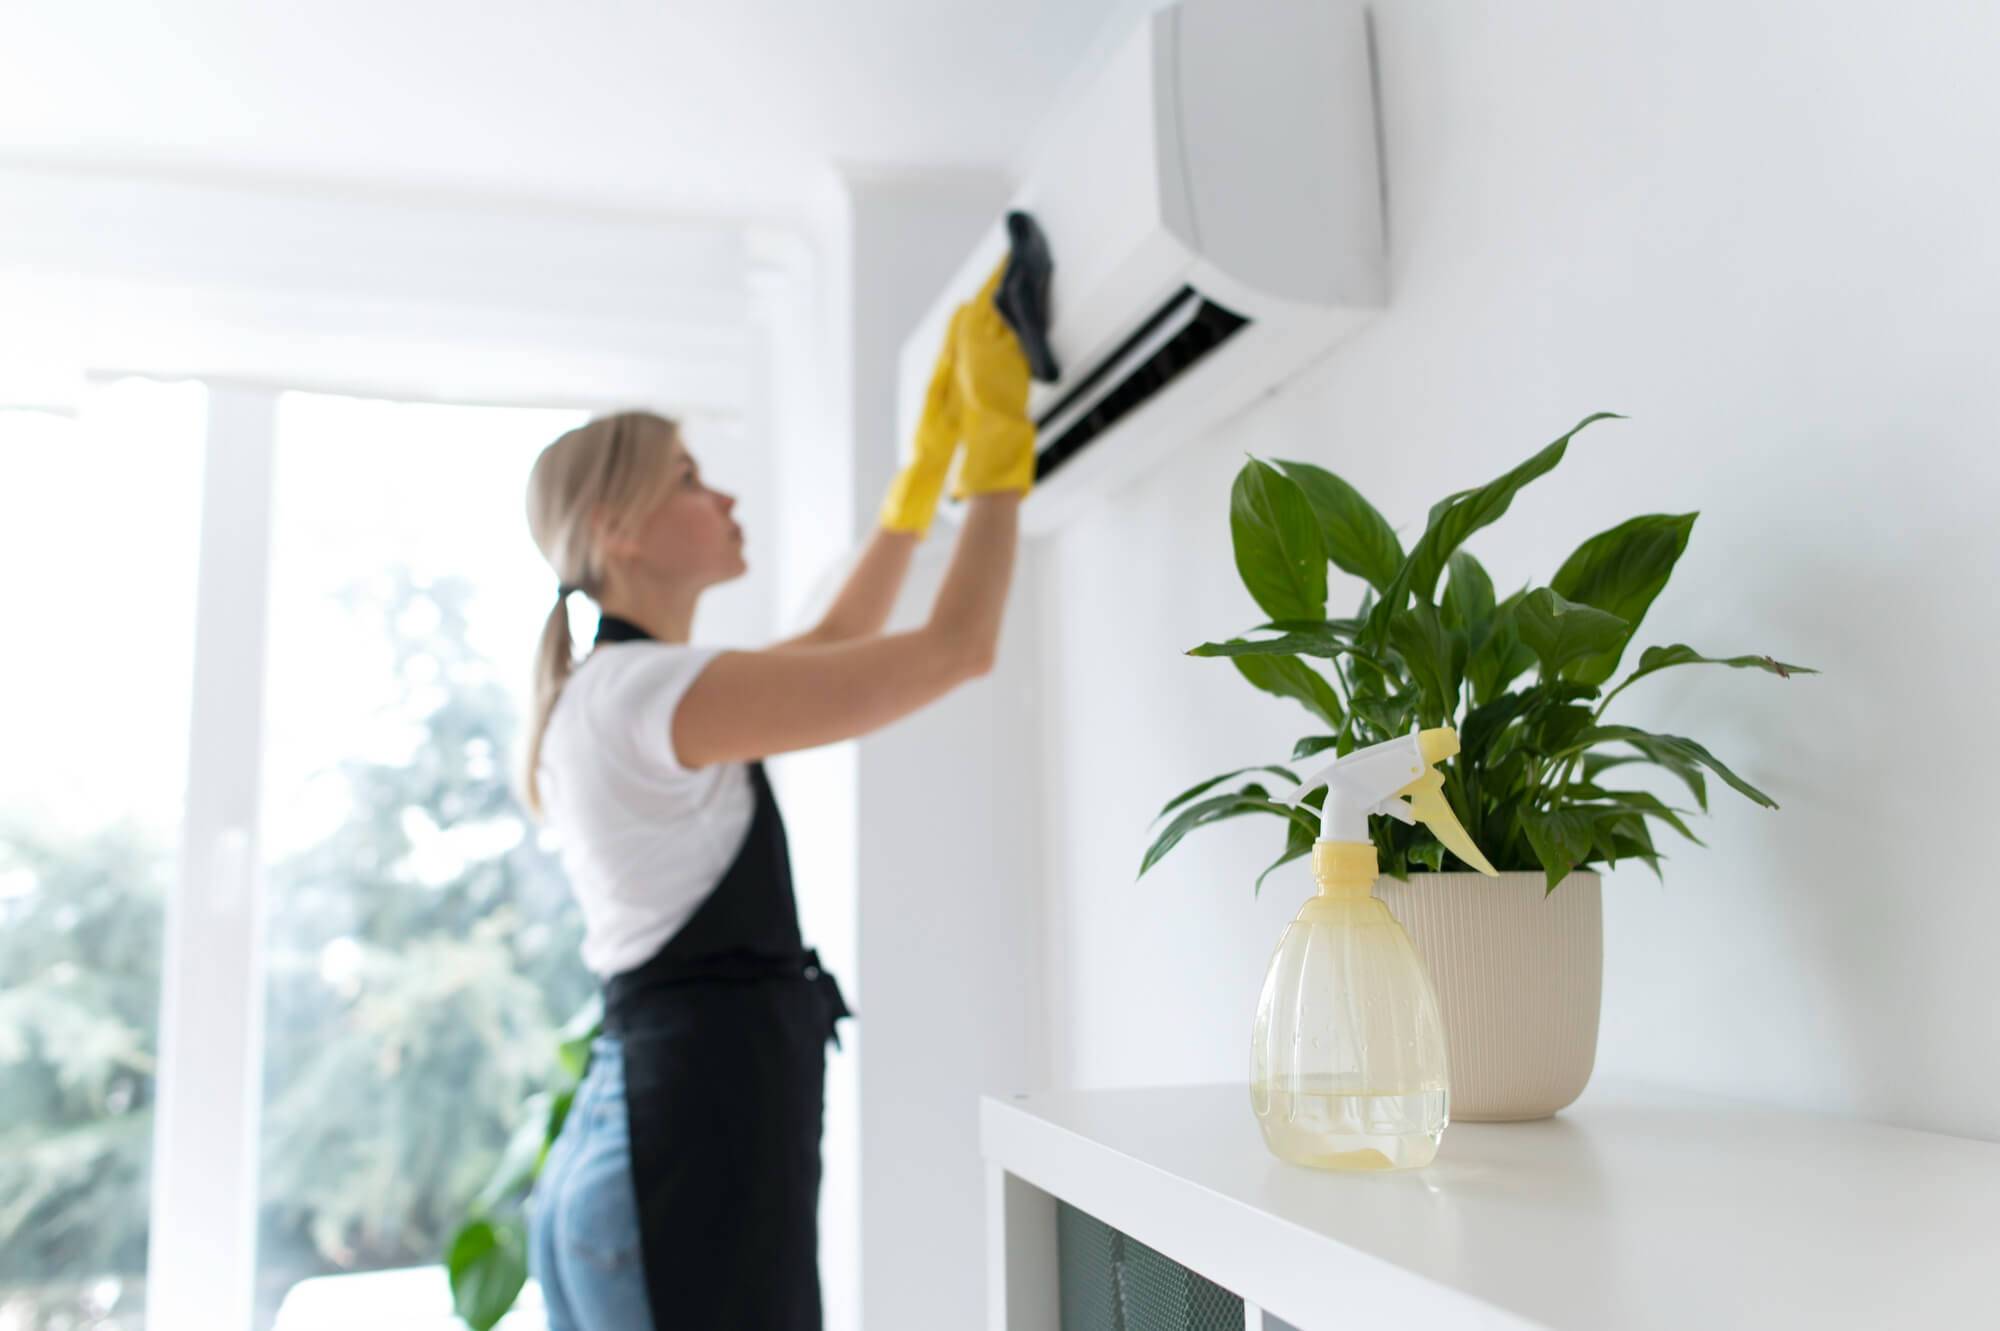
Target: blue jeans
583,1215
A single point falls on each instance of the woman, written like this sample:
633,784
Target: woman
683,1189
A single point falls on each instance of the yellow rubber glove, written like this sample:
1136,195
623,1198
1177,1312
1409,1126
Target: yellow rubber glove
993,391
913,496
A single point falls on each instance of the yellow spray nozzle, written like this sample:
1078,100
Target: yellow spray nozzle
1438,744
1376,779
1433,810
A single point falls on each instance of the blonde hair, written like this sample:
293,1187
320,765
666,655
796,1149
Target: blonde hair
598,480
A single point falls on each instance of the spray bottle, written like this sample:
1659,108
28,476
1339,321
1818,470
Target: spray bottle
1347,1063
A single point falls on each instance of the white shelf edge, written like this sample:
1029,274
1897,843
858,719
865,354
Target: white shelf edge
1282,1268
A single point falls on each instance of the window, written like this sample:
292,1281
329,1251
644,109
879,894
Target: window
420,945
99,528
339,601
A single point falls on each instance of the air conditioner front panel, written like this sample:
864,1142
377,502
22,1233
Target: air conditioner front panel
1213,206
1277,106
1116,179
1112,200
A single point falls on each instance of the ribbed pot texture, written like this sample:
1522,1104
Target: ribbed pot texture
1519,979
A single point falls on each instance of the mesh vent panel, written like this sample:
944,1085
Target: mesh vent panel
1112,1282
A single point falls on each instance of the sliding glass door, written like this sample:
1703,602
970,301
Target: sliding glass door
420,950
281,956
100,514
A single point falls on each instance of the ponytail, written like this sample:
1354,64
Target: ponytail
610,471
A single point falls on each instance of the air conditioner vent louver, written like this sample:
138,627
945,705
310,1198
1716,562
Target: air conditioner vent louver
1169,342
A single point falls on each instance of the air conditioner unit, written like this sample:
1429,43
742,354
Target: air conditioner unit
1212,199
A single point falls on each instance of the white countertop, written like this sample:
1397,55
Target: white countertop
1635,1208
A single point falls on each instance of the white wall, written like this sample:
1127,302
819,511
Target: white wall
1766,230
946,981
798,401
394,294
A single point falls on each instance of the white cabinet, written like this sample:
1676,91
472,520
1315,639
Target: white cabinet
1635,1208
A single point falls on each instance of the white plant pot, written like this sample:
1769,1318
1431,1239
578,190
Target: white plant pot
1520,980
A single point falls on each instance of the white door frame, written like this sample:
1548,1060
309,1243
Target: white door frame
202,1245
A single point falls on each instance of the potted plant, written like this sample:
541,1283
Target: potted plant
487,1259
1516,963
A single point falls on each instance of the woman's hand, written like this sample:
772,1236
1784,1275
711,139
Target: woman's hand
992,375
913,496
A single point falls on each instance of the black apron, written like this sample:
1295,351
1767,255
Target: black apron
724,1032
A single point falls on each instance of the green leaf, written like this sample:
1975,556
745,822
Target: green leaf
1507,766
1661,748
1435,656
577,1035
1561,839
1559,631
521,1159
1484,723
1357,537
1640,847
1429,852
1251,799
1312,744
1278,551
1298,840
1508,756
1456,518
1501,657
1437,509
1652,806
488,1264
1340,630
1288,677
1468,596
1286,644
1688,770
1376,677
1388,717
1293,850
1607,824
1679,654
558,1113
1258,802
1595,763
1621,571
1555,727
1210,810
1214,781
1390,858
1620,834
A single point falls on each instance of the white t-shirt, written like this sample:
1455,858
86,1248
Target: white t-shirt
643,839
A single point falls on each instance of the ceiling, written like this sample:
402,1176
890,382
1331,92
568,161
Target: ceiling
717,108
